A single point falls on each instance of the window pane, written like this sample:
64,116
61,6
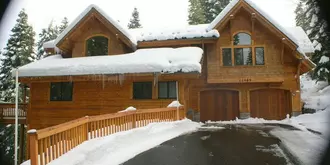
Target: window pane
162,90
67,91
226,57
96,46
243,56
242,39
142,90
172,90
260,59
55,91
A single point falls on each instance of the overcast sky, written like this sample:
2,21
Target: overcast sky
153,13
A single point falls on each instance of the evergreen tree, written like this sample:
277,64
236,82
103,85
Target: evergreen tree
309,17
135,20
19,51
63,25
205,11
47,34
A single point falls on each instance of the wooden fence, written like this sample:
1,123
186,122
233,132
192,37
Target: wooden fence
50,143
8,110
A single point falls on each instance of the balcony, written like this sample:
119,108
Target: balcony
7,113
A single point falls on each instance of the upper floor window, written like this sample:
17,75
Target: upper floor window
241,52
167,90
96,46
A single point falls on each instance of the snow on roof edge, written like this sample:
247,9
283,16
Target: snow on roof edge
83,14
153,60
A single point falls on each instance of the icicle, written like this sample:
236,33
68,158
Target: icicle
121,79
156,78
70,78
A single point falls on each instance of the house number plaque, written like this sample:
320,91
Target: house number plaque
245,80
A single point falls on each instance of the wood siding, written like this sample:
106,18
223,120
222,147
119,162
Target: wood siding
89,98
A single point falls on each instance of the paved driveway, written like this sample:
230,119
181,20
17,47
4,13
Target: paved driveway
234,145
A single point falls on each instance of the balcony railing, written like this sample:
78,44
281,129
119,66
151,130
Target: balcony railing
7,111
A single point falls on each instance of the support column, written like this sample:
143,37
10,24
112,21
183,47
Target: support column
21,144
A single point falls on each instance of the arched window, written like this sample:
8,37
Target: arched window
240,52
242,39
96,46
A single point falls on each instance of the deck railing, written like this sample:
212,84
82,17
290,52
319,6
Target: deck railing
50,143
8,111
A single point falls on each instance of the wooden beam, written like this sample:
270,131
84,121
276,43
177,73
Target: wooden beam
253,15
282,51
298,70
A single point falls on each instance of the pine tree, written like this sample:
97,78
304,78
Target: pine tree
19,51
47,34
63,25
205,11
309,17
135,20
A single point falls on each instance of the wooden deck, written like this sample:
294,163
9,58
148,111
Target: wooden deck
7,113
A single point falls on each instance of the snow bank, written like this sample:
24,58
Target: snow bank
305,146
130,108
174,104
120,147
159,60
188,32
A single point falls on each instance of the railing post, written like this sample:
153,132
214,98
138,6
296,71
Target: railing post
87,127
134,121
33,136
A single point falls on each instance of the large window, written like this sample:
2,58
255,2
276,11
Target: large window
97,46
167,90
61,91
240,53
142,90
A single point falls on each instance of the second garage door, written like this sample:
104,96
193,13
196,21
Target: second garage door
219,105
270,103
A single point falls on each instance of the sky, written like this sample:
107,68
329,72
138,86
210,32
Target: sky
153,13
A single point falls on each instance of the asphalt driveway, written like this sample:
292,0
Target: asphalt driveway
236,144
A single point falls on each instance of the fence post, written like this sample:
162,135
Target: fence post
33,136
87,127
177,113
134,121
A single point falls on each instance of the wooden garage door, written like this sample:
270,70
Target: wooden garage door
219,105
270,103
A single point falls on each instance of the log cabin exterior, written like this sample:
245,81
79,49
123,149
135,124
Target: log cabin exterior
251,69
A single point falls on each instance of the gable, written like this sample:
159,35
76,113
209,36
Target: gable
63,41
254,12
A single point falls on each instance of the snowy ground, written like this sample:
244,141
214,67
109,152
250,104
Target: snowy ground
119,147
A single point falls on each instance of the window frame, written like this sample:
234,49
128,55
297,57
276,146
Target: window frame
61,91
232,47
92,36
167,89
141,82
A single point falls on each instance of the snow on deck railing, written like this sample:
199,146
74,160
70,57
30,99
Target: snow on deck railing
50,143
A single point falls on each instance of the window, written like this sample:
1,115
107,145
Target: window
241,49
61,91
243,56
242,39
260,59
142,90
97,46
226,57
167,90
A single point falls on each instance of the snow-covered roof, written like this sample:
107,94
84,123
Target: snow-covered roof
51,44
123,30
187,32
155,60
233,3
303,41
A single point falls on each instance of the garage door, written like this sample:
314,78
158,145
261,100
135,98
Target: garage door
219,105
270,103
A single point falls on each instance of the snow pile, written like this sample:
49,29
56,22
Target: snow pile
174,104
154,60
305,146
120,147
130,108
188,32
315,95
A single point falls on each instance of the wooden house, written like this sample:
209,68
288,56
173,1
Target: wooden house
243,64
